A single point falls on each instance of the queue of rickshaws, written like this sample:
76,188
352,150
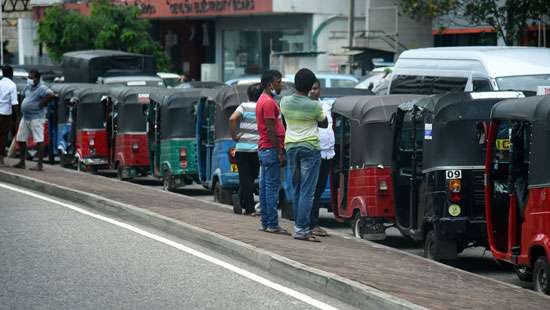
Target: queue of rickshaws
517,194
362,169
171,136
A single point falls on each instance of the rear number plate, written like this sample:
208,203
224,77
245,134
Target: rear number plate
453,174
234,168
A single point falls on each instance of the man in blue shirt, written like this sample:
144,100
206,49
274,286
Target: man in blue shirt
33,111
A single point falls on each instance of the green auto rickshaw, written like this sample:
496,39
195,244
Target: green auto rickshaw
171,136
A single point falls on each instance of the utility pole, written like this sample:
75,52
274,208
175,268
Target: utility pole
351,20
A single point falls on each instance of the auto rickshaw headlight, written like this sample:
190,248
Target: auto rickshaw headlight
455,186
382,185
135,147
91,142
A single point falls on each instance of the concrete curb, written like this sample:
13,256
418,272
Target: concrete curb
340,288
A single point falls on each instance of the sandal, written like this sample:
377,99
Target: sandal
19,165
309,238
319,232
277,230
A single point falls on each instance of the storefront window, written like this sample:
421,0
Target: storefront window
247,52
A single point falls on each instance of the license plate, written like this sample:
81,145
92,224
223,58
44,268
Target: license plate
453,174
234,168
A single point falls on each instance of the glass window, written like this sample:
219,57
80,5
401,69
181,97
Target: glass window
444,84
407,84
524,82
248,52
480,85
342,83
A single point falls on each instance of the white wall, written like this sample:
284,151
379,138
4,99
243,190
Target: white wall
26,37
333,7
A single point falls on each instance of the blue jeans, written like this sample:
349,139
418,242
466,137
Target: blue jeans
304,166
269,186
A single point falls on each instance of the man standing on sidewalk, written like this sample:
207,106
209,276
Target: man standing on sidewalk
247,147
270,150
303,116
8,99
33,110
326,136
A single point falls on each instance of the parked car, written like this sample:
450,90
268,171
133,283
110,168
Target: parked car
375,77
329,80
444,69
170,79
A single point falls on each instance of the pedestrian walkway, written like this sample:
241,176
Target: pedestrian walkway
405,276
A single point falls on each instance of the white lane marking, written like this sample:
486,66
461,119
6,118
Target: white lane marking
247,274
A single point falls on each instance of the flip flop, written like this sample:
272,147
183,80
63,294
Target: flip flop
277,231
308,238
19,166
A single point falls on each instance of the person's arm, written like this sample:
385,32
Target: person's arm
272,135
322,120
233,123
47,98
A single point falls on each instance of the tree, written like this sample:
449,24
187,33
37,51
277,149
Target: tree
509,18
109,26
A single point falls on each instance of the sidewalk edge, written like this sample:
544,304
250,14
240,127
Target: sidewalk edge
340,288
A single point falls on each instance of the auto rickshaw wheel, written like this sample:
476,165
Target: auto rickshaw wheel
356,226
167,183
222,195
437,249
524,273
542,275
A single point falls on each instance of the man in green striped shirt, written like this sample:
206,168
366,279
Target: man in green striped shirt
303,116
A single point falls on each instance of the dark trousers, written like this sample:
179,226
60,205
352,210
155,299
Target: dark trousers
321,185
5,128
249,166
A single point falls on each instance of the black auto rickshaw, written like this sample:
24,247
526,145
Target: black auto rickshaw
171,134
129,151
439,151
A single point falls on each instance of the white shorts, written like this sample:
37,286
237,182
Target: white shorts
34,127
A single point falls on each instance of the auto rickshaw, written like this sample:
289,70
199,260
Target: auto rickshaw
90,130
285,196
61,120
129,151
362,171
172,139
438,154
518,184
216,150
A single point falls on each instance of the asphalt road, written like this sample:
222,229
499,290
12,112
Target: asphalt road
53,257
475,260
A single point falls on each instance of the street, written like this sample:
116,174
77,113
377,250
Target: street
476,260
57,255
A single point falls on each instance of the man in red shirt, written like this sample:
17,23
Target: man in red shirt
270,150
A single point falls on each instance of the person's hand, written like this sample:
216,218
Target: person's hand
282,158
236,137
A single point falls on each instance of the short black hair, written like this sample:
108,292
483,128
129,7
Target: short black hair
269,76
254,92
7,71
35,72
304,80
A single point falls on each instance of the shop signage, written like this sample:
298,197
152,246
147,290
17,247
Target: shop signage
172,8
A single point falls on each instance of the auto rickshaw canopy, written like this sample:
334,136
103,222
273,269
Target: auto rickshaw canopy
177,111
131,106
453,125
90,112
535,110
65,92
371,131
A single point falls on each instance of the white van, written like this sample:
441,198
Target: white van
443,69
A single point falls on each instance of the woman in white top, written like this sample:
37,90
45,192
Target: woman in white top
326,136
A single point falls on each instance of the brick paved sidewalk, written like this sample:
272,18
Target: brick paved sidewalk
411,278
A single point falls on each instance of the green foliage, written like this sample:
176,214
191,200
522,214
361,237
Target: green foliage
509,18
109,26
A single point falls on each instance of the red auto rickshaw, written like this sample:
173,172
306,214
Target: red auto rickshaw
128,131
91,137
362,171
517,195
